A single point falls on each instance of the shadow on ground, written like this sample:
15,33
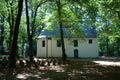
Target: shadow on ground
73,70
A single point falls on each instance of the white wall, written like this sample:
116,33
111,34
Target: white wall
88,50
84,48
41,51
56,51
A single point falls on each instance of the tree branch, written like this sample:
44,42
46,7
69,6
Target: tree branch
34,18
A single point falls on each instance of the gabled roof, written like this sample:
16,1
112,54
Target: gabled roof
88,32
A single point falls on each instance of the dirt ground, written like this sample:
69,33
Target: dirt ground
80,69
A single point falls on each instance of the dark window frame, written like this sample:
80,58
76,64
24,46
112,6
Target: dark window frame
90,41
75,43
49,38
43,43
59,43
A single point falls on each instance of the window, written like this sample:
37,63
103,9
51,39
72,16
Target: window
90,41
43,43
58,43
75,43
49,38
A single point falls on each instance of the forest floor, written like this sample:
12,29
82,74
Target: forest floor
74,69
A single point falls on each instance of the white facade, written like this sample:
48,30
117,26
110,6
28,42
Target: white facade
47,47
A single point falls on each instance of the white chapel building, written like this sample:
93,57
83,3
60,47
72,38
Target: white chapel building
49,44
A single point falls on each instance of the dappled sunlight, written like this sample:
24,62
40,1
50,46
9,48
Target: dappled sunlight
37,73
54,68
108,63
57,68
28,75
22,76
74,70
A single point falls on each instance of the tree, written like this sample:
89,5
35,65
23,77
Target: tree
109,10
22,40
57,13
59,6
3,14
31,24
12,56
64,14
10,17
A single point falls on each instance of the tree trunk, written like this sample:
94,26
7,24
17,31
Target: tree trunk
12,57
12,24
29,35
23,43
64,56
32,29
107,39
31,52
118,39
2,35
107,46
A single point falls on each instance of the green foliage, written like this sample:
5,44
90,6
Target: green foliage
3,8
70,16
104,14
109,24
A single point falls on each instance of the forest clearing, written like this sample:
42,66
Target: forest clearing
74,69
56,30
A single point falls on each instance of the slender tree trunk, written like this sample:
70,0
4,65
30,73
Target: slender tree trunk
11,21
12,25
11,37
64,56
23,42
2,35
107,40
12,57
107,46
118,38
29,35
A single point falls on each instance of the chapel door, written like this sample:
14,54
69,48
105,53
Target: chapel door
75,53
